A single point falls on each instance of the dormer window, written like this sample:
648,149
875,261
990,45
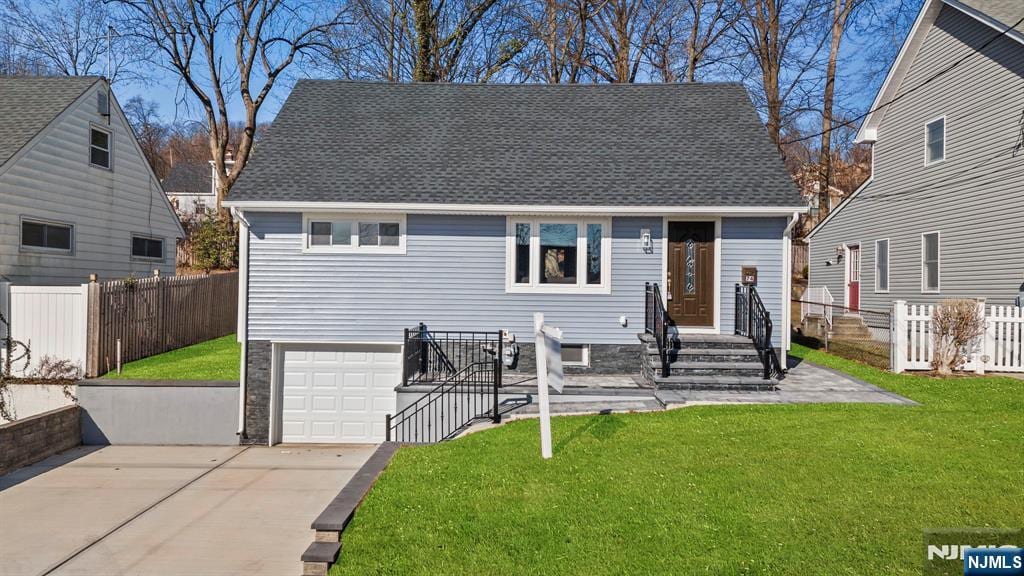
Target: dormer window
935,141
99,148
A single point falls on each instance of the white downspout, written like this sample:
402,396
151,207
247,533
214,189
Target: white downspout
787,286
243,312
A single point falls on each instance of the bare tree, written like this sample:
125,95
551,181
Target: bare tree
779,38
446,34
69,37
841,12
149,131
624,32
259,39
693,30
559,29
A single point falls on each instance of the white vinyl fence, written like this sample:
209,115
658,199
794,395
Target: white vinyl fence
1000,349
817,300
49,320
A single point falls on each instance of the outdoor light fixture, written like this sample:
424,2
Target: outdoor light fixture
645,240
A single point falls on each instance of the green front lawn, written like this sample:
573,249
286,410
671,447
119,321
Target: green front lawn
217,359
801,489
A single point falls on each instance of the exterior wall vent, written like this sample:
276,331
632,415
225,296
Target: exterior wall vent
103,103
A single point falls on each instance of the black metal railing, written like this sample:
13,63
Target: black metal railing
469,395
656,323
755,322
436,356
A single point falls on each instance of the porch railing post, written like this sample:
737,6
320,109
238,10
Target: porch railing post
497,383
405,358
387,427
767,343
423,348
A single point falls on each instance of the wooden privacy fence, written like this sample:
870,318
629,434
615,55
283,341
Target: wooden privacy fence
999,349
799,256
155,315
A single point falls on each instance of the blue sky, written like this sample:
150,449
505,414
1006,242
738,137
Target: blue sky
861,71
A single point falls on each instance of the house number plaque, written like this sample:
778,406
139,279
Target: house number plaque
749,274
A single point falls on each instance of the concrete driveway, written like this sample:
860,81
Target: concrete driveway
169,510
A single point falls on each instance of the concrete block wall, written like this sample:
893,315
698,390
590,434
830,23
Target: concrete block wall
29,440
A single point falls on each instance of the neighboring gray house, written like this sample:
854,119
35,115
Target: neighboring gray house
942,215
192,187
372,207
77,196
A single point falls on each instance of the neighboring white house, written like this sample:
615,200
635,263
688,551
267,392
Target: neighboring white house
77,196
192,187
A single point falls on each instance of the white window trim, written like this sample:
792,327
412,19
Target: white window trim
888,269
353,247
42,249
535,286
110,147
938,264
131,247
584,355
945,142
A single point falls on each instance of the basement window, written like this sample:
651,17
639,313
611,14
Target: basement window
575,354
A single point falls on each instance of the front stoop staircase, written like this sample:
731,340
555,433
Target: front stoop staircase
705,362
849,327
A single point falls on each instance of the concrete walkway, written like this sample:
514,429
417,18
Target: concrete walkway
805,383
210,511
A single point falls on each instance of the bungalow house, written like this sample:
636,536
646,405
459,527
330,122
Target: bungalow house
942,215
379,219
77,196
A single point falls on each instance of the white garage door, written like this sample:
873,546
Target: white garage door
338,393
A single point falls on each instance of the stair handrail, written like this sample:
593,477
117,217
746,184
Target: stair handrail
450,407
656,323
435,356
754,321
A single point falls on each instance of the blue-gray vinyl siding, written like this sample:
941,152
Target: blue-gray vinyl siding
753,242
974,198
452,276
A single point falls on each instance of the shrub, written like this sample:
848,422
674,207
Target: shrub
956,325
214,242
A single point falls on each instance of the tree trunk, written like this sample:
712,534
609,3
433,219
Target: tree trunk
423,20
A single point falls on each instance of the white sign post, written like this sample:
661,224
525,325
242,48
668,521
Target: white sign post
549,373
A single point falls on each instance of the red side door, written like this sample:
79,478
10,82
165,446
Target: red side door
854,282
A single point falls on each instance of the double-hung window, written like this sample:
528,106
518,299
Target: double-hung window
559,255
354,233
930,268
99,147
882,265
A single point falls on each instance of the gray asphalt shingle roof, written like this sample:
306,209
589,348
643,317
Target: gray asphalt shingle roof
1006,11
567,145
188,178
29,103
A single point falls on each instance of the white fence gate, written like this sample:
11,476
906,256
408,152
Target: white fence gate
50,320
1000,349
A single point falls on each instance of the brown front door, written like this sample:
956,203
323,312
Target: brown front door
691,273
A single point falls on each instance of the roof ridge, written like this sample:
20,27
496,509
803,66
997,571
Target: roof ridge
371,82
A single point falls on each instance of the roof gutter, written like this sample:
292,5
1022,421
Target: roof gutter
243,316
481,209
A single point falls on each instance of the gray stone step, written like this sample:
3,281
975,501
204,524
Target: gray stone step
717,368
596,407
716,354
712,341
683,382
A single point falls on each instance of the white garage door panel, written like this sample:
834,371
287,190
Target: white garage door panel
338,394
